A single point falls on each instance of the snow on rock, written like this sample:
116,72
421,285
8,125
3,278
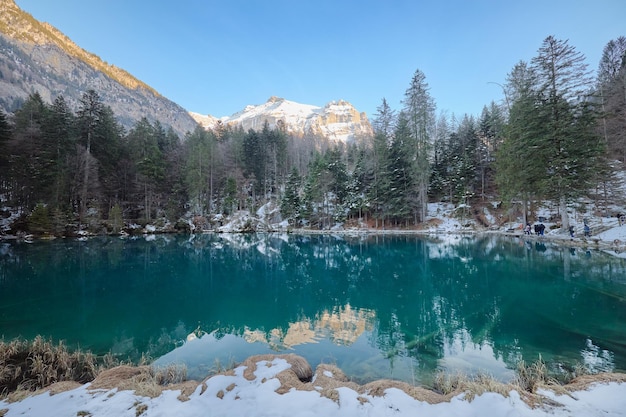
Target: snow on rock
338,121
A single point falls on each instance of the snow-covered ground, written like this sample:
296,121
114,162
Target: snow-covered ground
237,395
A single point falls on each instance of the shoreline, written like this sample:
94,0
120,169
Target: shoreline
294,375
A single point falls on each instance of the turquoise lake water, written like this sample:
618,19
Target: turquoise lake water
398,307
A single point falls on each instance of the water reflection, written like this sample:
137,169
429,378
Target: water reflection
462,354
377,306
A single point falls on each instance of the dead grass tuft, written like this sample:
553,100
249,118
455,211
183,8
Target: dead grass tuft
378,388
31,365
452,385
531,377
146,380
583,382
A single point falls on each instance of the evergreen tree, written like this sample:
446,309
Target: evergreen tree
359,184
490,134
275,143
143,144
88,117
400,172
439,180
611,90
463,151
384,125
107,149
419,107
570,146
520,164
290,203
255,159
230,196
60,132
5,137
199,152
30,156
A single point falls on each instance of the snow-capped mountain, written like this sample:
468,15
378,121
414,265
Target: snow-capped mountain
337,121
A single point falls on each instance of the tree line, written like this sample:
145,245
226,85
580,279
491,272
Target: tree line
557,136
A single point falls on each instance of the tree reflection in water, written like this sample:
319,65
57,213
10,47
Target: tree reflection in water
375,305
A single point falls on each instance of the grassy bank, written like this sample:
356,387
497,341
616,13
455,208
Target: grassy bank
27,367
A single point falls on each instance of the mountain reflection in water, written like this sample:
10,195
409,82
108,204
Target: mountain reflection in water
377,306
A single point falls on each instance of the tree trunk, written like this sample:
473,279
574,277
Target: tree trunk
564,215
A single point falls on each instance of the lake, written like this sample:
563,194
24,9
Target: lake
377,306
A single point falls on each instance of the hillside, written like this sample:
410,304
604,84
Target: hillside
36,57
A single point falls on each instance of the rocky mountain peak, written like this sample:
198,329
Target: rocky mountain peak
337,121
275,99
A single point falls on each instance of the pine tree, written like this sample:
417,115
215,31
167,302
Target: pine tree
419,107
290,203
143,144
60,134
490,134
570,146
199,149
255,160
463,149
230,196
439,180
520,162
611,90
384,125
5,137
30,156
88,118
400,171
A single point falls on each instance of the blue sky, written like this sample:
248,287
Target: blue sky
216,57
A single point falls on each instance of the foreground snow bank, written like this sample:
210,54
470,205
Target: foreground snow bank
252,390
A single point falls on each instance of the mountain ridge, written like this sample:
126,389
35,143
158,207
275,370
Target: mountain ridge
337,121
36,57
20,25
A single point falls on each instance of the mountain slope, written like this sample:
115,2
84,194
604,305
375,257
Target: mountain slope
337,121
36,57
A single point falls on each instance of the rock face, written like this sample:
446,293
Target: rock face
337,121
36,57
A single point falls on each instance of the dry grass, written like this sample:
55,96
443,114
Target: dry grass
27,367
31,365
530,377
146,380
472,386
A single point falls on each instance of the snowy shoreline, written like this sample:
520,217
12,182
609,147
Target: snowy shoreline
272,385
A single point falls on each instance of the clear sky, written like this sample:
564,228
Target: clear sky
216,57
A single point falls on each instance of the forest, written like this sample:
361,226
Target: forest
559,135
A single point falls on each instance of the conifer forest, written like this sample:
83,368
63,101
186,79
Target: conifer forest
558,135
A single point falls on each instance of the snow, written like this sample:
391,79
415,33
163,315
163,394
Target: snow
299,119
613,234
234,395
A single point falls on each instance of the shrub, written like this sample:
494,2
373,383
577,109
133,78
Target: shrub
116,220
39,220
